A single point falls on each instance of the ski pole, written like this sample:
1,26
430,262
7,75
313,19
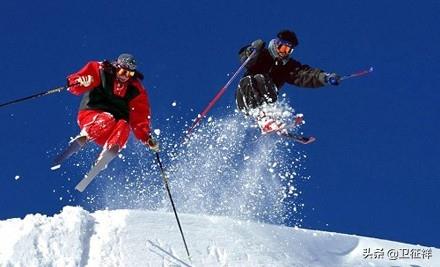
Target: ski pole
357,74
217,96
51,91
165,181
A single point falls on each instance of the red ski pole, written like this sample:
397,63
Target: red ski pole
217,97
357,74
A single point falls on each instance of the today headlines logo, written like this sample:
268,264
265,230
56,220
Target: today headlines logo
398,253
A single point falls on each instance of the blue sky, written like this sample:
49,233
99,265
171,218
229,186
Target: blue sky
374,167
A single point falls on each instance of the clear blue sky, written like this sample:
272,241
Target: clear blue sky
374,168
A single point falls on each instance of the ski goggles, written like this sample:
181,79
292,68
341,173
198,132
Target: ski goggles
285,49
125,72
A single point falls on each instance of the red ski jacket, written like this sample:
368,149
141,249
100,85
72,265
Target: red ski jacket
125,101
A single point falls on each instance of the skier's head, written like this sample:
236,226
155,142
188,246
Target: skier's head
288,36
282,46
125,67
126,61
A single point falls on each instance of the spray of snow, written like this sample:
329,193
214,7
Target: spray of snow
210,175
226,168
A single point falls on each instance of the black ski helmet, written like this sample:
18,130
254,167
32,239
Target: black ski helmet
126,61
288,36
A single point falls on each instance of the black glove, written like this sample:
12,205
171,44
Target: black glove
256,45
332,78
246,51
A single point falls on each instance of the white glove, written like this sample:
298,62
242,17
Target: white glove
85,80
153,144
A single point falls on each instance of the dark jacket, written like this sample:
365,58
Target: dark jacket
292,72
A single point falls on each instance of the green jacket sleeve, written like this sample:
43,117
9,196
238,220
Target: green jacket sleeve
304,75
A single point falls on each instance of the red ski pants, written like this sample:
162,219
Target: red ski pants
102,128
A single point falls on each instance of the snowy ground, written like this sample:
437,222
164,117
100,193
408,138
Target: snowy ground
76,237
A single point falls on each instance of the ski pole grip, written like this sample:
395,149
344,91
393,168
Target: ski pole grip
70,85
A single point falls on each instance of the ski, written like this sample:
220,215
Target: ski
282,131
88,178
82,185
275,126
74,146
105,157
299,120
305,140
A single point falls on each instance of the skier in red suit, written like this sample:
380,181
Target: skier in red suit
114,101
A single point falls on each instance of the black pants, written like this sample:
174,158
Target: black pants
254,91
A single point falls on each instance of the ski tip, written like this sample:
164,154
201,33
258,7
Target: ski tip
80,189
308,140
55,167
305,140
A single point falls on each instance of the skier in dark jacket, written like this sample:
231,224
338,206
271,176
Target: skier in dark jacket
268,70
114,101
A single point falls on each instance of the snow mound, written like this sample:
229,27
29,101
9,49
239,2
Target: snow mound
76,237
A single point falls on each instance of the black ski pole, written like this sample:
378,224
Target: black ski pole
51,91
165,181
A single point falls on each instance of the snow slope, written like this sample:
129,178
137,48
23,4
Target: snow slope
76,237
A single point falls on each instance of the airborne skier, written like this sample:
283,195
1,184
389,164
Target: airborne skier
267,71
114,101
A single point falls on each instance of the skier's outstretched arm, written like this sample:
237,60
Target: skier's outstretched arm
85,79
305,76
